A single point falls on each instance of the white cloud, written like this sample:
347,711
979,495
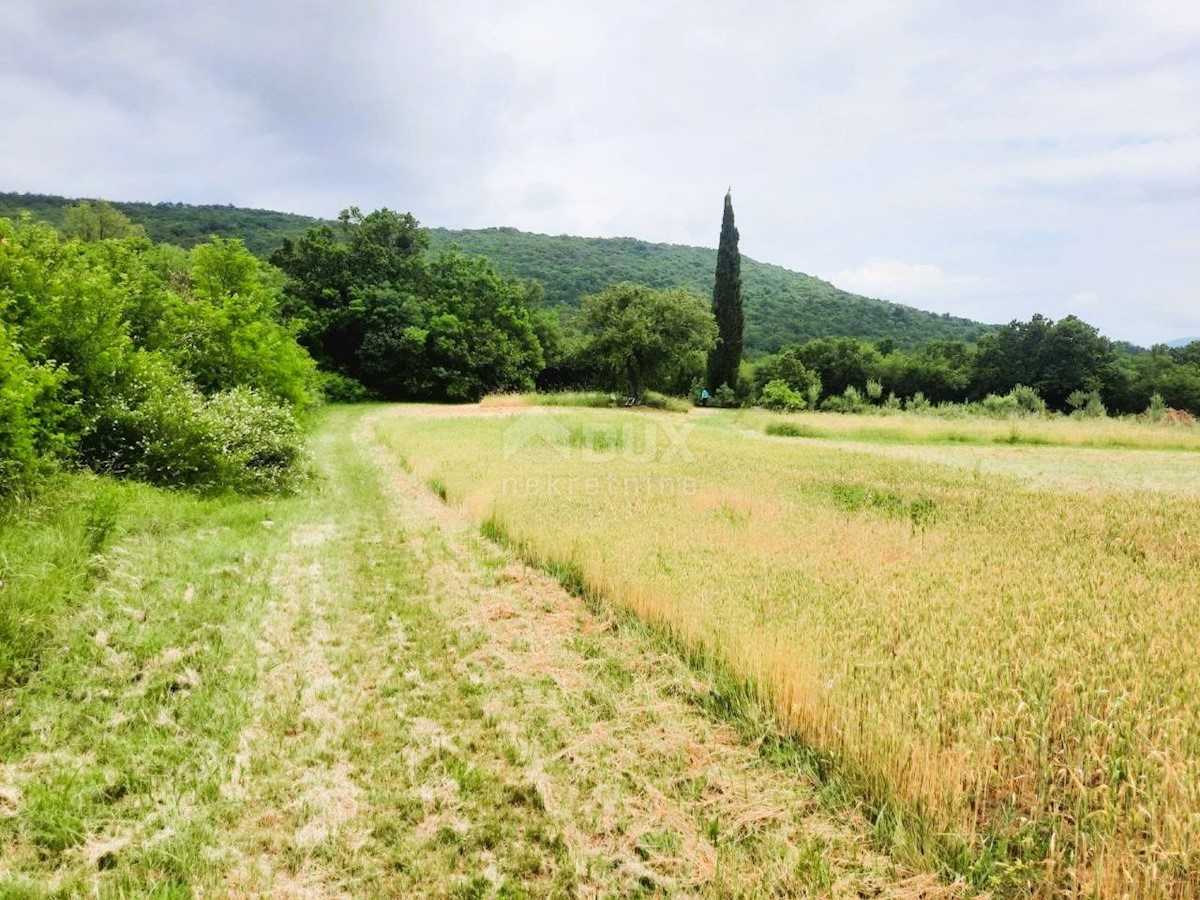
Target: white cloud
1083,299
894,278
1044,146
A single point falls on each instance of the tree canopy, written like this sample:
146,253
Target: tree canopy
644,339
376,308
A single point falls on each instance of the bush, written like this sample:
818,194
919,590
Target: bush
27,413
259,441
338,388
1086,405
169,369
725,397
152,428
1028,400
917,403
1157,410
849,401
1020,401
777,395
161,430
1000,407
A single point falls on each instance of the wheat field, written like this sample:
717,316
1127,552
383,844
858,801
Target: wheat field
1005,665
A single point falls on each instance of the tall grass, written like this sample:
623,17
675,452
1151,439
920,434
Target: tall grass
916,428
1010,670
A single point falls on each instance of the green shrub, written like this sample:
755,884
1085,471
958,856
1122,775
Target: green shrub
849,401
152,428
1020,401
339,388
161,430
28,410
259,441
1086,404
1000,407
779,396
1157,410
917,402
1028,400
724,396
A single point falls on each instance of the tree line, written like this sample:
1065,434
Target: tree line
1066,365
196,367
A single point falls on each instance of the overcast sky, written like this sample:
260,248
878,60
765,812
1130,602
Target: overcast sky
986,159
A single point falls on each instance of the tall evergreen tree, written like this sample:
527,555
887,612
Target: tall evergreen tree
726,356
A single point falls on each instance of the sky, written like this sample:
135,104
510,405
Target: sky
990,160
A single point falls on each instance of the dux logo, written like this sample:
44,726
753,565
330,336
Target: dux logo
642,441
530,431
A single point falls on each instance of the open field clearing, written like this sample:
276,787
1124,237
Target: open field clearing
351,693
1004,666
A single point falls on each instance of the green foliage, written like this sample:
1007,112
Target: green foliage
840,363
1054,358
782,307
778,395
376,310
642,339
725,396
223,328
1157,410
181,224
788,368
1086,404
848,401
1069,357
161,429
471,334
28,410
120,355
97,222
1028,400
259,441
726,355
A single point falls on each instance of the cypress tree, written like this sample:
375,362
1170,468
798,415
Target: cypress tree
726,355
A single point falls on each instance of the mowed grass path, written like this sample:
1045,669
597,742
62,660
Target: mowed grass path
1006,667
352,693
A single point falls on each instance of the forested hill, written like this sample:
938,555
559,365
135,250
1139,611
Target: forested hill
782,307
182,224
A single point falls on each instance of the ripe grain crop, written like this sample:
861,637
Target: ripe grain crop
1006,669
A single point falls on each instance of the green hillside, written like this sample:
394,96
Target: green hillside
183,224
782,307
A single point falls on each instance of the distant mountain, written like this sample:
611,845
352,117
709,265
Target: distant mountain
782,307
1183,342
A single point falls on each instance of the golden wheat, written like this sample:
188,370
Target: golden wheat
1015,661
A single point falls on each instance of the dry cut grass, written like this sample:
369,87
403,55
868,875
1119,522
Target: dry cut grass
1007,670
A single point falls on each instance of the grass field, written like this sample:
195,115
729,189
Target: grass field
352,693
996,648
